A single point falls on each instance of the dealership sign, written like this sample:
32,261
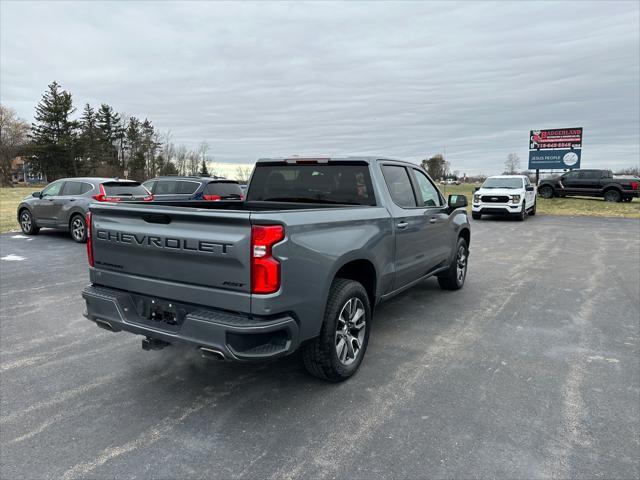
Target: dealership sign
555,149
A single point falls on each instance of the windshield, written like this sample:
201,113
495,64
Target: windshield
341,183
504,182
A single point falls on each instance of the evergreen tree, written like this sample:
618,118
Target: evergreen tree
149,145
108,126
203,169
169,169
53,134
135,153
89,139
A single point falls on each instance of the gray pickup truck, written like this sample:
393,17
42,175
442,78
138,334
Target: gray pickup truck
302,263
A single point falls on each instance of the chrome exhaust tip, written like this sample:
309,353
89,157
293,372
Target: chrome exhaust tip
104,324
211,353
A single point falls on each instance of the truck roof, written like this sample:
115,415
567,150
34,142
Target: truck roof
323,159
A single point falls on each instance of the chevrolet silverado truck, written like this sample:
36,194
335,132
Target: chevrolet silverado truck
301,263
590,183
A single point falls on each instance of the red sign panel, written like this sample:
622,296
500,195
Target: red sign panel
558,138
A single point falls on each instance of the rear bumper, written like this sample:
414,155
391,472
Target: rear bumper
234,336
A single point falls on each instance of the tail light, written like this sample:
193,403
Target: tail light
634,185
89,240
148,198
102,196
265,270
212,197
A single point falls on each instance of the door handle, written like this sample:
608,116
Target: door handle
72,199
433,220
402,225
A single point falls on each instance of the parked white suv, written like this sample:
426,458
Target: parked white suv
512,195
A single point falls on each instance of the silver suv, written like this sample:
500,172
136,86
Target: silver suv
64,203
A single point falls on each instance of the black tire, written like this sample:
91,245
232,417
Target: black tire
612,195
28,223
476,215
532,211
452,279
523,213
78,228
320,355
546,191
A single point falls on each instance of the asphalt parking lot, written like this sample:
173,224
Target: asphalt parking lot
531,371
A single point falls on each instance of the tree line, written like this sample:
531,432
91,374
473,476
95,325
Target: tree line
97,142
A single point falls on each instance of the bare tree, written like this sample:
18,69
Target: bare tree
181,159
203,148
512,165
13,139
243,174
629,171
447,168
193,162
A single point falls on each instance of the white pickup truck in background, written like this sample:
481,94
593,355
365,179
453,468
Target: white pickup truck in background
512,195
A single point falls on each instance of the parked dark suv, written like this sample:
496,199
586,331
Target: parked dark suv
64,203
591,183
173,188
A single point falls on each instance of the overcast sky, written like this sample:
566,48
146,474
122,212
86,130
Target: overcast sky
400,80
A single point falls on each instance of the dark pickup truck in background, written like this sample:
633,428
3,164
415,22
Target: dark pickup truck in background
303,262
591,183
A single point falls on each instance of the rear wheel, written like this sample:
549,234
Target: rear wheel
545,191
612,195
27,223
455,276
78,229
476,215
337,352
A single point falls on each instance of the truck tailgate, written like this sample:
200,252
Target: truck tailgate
173,245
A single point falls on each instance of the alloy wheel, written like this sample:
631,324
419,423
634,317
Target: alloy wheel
25,221
461,264
77,229
350,331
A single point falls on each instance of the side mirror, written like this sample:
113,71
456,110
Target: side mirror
475,189
36,195
529,188
457,201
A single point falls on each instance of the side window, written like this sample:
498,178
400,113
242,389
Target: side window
72,188
399,184
187,187
589,174
430,196
52,190
86,187
166,187
571,175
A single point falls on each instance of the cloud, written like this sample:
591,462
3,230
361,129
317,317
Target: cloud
396,79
